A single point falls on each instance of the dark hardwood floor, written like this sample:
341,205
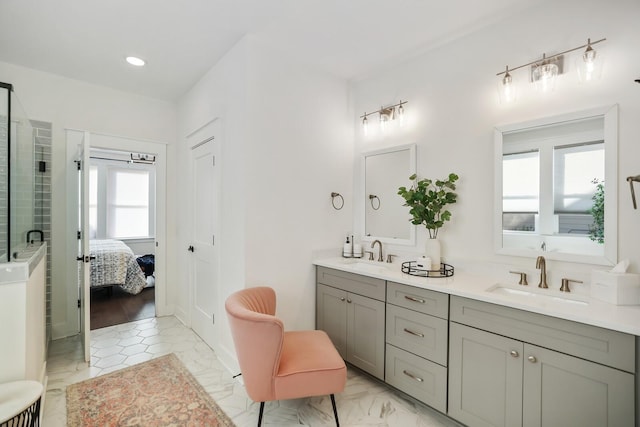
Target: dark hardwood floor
116,307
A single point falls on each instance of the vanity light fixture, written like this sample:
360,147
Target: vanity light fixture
544,71
387,114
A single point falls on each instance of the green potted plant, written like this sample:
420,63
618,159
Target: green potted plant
427,199
596,230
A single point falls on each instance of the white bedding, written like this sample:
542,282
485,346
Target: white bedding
115,264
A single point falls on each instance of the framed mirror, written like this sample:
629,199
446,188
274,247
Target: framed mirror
551,177
384,217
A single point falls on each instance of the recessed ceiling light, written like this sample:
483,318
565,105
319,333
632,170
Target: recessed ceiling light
133,60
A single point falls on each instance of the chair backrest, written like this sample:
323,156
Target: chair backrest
258,336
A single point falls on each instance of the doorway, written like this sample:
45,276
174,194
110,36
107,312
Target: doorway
78,303
122,206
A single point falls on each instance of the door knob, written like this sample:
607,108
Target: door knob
532,359
190,248
514,353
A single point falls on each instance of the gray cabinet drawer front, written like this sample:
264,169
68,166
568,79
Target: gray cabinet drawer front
419,378
417,333
422,300
356,283
611,348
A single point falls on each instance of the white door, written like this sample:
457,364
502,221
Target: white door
82,162
204,208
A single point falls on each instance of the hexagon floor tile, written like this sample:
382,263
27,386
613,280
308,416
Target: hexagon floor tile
364,402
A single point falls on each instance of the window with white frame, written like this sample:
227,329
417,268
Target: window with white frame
122,200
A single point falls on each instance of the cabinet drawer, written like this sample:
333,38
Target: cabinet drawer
419,378
612,348
422,300
417,333
355,283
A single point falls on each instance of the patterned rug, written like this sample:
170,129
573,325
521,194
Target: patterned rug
159,392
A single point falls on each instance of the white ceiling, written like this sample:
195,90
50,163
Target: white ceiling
182,39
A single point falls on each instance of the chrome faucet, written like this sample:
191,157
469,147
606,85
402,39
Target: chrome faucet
541,264
380,251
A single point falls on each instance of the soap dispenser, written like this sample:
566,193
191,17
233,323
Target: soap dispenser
347,250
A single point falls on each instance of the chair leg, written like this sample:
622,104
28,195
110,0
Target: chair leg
335,411
260,416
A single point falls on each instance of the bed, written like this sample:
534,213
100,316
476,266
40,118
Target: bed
115,265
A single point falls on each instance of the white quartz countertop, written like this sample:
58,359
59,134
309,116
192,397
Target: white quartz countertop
481,287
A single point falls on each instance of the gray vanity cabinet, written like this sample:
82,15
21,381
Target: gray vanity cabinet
497,379
354,321
417,331
485,378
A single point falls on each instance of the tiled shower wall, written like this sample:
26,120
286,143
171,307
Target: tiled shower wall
42,199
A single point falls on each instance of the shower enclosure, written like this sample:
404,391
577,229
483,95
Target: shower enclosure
24,181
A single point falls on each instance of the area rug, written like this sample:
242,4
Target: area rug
159,392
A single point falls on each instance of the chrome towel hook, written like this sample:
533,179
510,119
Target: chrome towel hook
631,180
333,201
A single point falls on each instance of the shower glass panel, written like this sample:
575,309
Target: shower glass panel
17,174
5,96
22,172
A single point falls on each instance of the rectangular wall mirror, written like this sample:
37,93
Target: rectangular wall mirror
551,176
384,217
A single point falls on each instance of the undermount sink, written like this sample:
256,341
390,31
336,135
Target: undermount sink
367,266
529,295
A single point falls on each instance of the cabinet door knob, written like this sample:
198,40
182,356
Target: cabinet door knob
532,359
514,353
342,298
349,301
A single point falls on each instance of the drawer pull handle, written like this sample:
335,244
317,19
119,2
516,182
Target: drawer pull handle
417,334
412,376
532,359
414,299
514,353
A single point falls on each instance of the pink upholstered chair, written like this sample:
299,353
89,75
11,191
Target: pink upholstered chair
276,364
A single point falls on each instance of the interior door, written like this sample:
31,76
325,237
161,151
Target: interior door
205,196
82,163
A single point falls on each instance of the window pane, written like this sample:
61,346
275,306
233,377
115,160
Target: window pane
574,170
520,182
130,222
128,203
131,188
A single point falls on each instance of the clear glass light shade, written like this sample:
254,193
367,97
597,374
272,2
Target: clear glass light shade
507,89
589,65
401,115
384,121
544,77
365,126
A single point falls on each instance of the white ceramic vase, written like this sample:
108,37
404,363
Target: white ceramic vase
432,250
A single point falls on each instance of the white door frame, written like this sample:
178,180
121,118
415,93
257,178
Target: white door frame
115,142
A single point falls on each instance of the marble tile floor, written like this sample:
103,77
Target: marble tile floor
364,401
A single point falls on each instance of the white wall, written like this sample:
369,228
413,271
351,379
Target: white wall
453,108
68,103
285,147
